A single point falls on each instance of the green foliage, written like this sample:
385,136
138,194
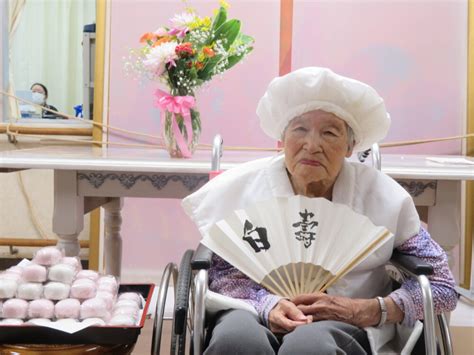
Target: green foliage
227,32
208,71
220,18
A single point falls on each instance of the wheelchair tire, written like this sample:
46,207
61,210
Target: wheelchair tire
180,316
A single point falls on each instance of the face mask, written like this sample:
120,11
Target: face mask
38,98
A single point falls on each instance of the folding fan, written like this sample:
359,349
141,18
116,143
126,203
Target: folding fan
295,245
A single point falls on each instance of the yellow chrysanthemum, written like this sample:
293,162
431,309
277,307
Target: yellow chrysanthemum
224,4
204,23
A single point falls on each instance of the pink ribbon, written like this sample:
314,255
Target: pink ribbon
177,105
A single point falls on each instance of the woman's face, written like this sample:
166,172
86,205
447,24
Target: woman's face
38,89
315,145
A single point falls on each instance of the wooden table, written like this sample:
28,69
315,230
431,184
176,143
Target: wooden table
86,178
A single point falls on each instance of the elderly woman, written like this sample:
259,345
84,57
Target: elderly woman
321,118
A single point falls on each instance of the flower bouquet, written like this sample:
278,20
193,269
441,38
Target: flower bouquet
184,56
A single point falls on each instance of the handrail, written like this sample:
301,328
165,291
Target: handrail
28,242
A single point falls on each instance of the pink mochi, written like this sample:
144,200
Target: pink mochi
62,273
127,303
88,274
127,311
56,291
107,283
73,261
94,308
11,321
29,291
10,276
16,270
41,308
34,273
8,288
133,296
68,308
48,256
15,308
108,298
83,288
122,319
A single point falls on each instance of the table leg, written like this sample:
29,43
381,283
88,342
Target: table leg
113,239
68,214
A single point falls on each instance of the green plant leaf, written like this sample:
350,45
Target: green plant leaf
206,72
244,39
220,18
234,59
228,31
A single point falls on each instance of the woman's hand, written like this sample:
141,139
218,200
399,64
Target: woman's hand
285,317
358,312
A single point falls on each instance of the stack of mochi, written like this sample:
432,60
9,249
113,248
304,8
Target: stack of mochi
53,287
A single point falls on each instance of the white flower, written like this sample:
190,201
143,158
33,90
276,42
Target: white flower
183,20
158,56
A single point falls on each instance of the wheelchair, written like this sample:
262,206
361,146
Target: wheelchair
190,320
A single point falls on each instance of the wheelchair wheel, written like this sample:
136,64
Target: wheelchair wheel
171,272
182,306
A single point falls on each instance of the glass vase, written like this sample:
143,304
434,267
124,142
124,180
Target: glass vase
174,144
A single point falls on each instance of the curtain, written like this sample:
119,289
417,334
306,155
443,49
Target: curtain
15,8
47,48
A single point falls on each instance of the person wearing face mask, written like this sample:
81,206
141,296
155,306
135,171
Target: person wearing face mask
40,95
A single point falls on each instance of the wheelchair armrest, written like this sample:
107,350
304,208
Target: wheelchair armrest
411,264
202,258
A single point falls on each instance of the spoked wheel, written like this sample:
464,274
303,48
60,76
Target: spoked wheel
171,271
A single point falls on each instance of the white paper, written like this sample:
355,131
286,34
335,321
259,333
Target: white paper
71,326
67,327
24,262
451,161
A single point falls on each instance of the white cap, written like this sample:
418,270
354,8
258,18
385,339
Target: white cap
315,88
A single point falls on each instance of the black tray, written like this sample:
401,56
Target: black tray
104,335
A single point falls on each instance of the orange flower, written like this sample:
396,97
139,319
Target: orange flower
149,36
161,41
208,52
199,65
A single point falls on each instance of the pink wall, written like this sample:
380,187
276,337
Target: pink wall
413,53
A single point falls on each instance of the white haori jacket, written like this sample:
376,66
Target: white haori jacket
366,190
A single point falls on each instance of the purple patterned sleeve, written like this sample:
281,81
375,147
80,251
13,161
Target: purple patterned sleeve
227,280
408,297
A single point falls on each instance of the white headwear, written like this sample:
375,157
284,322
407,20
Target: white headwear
315,88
